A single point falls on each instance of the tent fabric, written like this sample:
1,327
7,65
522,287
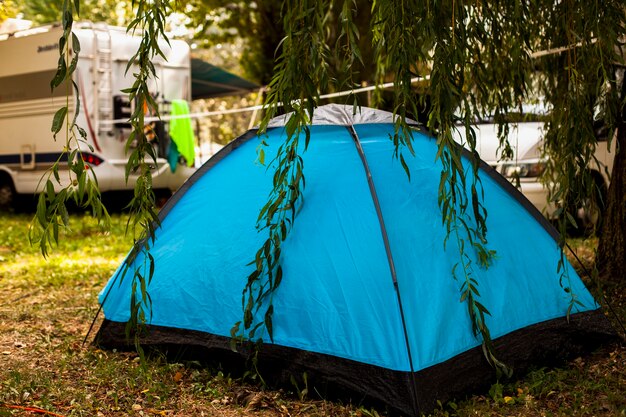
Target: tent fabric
336,313
181,131
208,81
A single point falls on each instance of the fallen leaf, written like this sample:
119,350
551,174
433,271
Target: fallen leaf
255,401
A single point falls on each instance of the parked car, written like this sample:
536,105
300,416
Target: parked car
527,164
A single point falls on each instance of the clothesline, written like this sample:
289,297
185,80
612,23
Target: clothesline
200,115
255,108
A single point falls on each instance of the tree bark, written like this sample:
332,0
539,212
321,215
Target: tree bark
611,258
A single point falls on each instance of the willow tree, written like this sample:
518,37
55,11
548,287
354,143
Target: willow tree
8,8
226,21
49,11
481,60
564,54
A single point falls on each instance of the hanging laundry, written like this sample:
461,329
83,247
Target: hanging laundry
181,132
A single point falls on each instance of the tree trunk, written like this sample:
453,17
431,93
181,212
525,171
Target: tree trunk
611,259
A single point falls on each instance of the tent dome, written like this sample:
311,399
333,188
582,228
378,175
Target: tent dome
336,312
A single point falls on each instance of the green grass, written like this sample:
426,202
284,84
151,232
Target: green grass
46,306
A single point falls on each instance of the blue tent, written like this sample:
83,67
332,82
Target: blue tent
337,314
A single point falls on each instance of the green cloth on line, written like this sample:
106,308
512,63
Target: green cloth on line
181,131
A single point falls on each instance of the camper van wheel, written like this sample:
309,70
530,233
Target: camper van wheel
7,193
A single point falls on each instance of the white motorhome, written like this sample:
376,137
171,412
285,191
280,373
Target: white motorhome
27,105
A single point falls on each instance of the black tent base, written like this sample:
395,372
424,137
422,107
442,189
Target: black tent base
544,344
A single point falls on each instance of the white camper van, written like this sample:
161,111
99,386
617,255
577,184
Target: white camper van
27,105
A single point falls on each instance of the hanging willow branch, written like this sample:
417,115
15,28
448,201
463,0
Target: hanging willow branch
300,71
463,213
78,183
149,23
347,50
277,218
302,68
581,79
437,39
399,50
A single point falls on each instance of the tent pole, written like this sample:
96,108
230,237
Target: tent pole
392,267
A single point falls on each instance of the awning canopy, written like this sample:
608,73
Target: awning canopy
209,81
